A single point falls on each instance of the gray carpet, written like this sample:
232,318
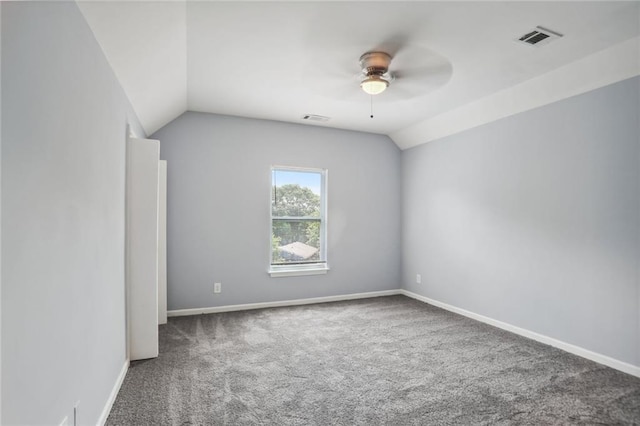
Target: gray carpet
389,360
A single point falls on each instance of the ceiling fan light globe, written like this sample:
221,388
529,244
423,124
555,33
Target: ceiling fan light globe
374,85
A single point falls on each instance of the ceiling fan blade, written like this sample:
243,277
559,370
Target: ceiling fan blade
418,72
392,45
437,71
336,86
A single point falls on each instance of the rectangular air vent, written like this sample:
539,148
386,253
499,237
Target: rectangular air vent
539,36
314,117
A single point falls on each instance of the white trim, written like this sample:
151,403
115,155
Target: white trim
114,393
600,69
568,347
292,271
295,302
576,350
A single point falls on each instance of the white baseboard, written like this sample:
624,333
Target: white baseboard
568,347
295,302
114,393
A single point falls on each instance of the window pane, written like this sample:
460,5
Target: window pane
296,193
297,213
296,241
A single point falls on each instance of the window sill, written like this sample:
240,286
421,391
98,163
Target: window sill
276,272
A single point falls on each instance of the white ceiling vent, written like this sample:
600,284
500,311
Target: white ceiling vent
314,117
539,36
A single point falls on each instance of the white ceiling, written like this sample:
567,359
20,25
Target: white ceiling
281,60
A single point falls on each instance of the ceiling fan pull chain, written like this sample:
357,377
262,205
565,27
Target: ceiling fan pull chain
371,106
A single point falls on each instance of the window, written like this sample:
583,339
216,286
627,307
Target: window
298,221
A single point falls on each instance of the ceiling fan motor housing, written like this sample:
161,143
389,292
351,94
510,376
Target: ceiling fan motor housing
375,63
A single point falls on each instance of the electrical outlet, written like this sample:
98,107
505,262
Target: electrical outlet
418,278
217,287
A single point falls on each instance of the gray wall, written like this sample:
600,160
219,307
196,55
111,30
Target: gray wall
63,160
218,209
534,220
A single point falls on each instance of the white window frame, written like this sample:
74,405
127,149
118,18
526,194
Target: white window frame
317,268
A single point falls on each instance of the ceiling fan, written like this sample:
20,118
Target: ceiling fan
400,69
413,70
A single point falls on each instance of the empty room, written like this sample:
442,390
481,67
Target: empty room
319,212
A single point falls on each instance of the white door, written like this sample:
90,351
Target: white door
143,156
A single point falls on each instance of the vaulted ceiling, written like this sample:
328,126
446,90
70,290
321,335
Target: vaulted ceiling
282,60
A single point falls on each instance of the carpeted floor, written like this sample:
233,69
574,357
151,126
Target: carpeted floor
388,360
